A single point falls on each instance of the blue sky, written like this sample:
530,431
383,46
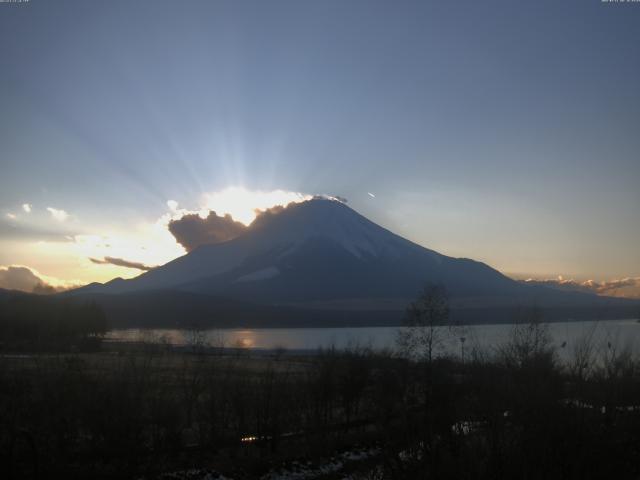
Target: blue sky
497,130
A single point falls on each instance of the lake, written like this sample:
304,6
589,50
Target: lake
565,336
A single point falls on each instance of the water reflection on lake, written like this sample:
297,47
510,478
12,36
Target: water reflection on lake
565,336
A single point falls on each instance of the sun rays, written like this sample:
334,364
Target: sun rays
242,204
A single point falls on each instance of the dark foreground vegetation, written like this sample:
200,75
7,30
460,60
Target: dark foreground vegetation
45,323
513,412
72,406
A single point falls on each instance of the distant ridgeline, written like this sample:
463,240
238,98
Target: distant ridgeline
176,309
46,322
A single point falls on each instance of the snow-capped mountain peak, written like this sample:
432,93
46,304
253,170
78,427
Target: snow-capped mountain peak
318,249
326,219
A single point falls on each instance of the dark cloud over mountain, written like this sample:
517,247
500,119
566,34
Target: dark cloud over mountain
121,262
191,230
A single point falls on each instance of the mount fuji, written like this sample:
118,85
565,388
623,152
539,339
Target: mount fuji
320,259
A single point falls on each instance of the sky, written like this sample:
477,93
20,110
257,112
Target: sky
502,131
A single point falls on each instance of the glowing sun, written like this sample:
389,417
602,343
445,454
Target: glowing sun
242,204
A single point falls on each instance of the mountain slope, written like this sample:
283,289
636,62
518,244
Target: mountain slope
316,250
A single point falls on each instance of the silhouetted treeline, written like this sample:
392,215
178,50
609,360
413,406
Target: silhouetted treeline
35,322
175,309
512,412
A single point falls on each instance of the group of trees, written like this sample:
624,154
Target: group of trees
41,322
516,410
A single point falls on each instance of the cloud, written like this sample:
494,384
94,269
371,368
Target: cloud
611,285
206,227
59,215
618,287
192,230
173,205
243,205
26,207
11,216
26,279
120,262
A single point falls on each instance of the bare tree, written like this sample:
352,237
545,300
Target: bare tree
529,341
196,339
427,324
583,359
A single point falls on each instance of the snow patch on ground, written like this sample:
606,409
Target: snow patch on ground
295,470
307,471
193,474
